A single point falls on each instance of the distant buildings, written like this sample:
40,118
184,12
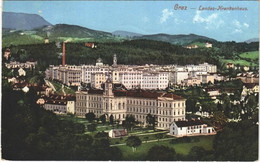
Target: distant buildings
21,72
248,77
208,45
7,53
26,65
250,88
131,76
190,128
192,46
90,45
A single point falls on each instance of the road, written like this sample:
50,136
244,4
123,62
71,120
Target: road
49,84
165,139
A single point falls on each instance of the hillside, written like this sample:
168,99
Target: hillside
125,34
23,21
180,39
59,32
74,31
252,40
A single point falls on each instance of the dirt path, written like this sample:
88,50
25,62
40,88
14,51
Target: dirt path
156,140
50,84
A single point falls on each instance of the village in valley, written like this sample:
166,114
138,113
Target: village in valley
127,98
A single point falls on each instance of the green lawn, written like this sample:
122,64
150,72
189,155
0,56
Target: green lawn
199,44
240,62
57,86
181,148
69,90
253,55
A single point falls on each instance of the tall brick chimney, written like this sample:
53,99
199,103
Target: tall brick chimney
63,56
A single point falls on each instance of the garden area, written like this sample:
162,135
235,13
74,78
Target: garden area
147,137
182,148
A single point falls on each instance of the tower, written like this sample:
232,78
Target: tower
114,61
108,88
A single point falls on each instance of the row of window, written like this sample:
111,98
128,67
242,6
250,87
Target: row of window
153,103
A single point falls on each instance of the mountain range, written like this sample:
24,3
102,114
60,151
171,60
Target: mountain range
23,21
22,28
126,34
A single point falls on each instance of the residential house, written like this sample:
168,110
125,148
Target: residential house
21,72
208,45
250,88
60,104
192,46
117,133
190,128
230,65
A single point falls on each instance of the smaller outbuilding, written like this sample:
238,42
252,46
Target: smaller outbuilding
190,128
117,133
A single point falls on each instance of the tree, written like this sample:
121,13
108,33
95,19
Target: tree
159,136
191,104
90,116
151,120
250,108
101,135
129,122
91,127
219,120
197,153
237,142
133,142
102,118
111,119
161,153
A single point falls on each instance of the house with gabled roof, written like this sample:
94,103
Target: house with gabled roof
190,128
117,133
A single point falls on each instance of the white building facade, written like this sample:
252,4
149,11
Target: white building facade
190,128
166,107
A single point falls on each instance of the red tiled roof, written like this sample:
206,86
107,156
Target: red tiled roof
138,93
250,85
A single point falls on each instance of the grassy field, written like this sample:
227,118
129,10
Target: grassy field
181,148
199,44
240,62
58,87
145,135
253,55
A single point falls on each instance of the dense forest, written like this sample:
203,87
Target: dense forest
32,133
129,52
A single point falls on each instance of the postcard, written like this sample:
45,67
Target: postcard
130,80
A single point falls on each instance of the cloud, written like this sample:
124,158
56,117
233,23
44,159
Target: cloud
246,25
239,27
211,21
237,23
165,15
237,31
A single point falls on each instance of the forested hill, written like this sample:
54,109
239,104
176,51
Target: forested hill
136,52
74,31
180,39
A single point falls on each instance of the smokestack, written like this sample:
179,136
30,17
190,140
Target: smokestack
63,57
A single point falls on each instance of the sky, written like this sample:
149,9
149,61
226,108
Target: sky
151,17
